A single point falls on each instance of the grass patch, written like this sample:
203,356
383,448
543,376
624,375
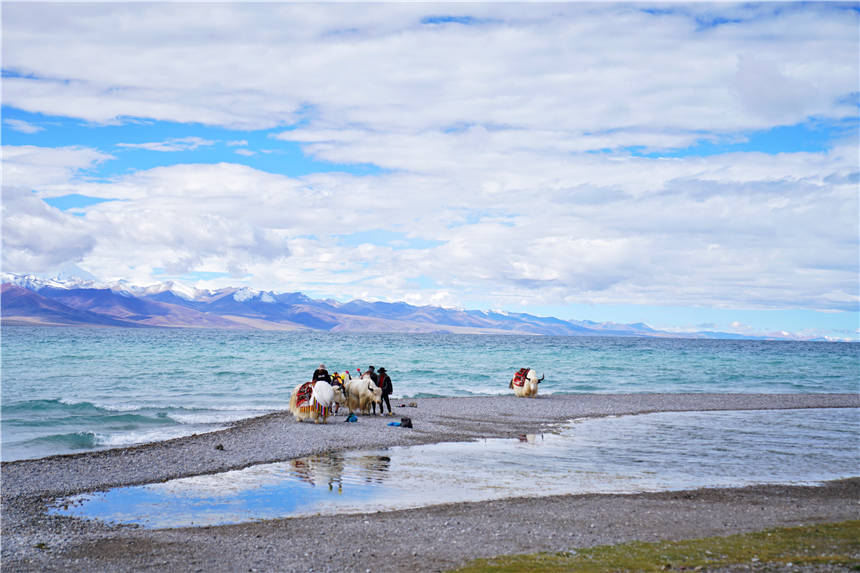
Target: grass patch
829,543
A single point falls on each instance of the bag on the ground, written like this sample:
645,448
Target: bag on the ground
406,422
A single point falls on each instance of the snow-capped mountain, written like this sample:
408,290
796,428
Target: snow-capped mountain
27,299
36,284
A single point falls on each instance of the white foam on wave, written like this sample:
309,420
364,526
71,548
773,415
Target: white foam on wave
490,390
116,407
97,404
251,409
231,411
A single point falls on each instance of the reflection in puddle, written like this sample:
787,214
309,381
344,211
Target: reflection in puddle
606,455
304,486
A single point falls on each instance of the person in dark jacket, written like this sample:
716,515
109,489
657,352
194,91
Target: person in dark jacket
321,374
387,388
372,373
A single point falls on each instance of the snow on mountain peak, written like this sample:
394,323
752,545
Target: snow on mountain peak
35,283
178,289
244,294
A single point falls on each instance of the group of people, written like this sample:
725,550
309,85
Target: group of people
380,378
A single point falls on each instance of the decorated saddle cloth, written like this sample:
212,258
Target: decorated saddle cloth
303,396
520,377
305,402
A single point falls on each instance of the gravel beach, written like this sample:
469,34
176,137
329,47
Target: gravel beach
428,539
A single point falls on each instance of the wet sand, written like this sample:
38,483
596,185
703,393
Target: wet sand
428,539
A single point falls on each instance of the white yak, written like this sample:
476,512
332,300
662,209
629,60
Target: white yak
313,400
525,383
361,393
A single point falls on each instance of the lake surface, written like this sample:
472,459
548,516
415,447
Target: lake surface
77,389
627,454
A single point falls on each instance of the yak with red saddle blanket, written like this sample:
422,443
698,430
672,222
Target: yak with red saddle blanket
525,383
314,400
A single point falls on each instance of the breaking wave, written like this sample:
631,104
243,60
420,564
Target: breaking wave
45,427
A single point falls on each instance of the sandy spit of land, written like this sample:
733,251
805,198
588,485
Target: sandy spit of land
428,539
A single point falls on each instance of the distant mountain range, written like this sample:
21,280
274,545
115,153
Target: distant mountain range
27,300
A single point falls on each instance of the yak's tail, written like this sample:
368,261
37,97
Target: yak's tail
293,397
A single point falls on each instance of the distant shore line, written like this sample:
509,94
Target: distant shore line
249,325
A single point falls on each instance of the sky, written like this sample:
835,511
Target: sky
694,166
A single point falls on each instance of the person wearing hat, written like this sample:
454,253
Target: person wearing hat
321,374
375,378
387,388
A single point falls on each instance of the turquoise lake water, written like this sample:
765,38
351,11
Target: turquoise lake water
76,389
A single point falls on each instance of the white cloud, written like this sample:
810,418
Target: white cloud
768,91
689,231
504,140
23,126
51,171
170,145
535,67
37,237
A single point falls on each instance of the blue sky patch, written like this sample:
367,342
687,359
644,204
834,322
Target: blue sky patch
422,282
474,216
74,201
438,20
192,276
139,144
809,137
385,238
714,22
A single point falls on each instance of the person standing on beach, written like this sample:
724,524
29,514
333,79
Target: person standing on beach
337,379
321,374
373,376
337,382
372,373
387,389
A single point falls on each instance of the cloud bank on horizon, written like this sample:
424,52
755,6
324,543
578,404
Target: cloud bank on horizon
692,162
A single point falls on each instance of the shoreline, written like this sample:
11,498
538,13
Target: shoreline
65,543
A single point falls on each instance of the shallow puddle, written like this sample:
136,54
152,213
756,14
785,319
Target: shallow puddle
651,452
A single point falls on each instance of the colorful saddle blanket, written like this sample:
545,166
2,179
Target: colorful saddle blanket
520,376
303,396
